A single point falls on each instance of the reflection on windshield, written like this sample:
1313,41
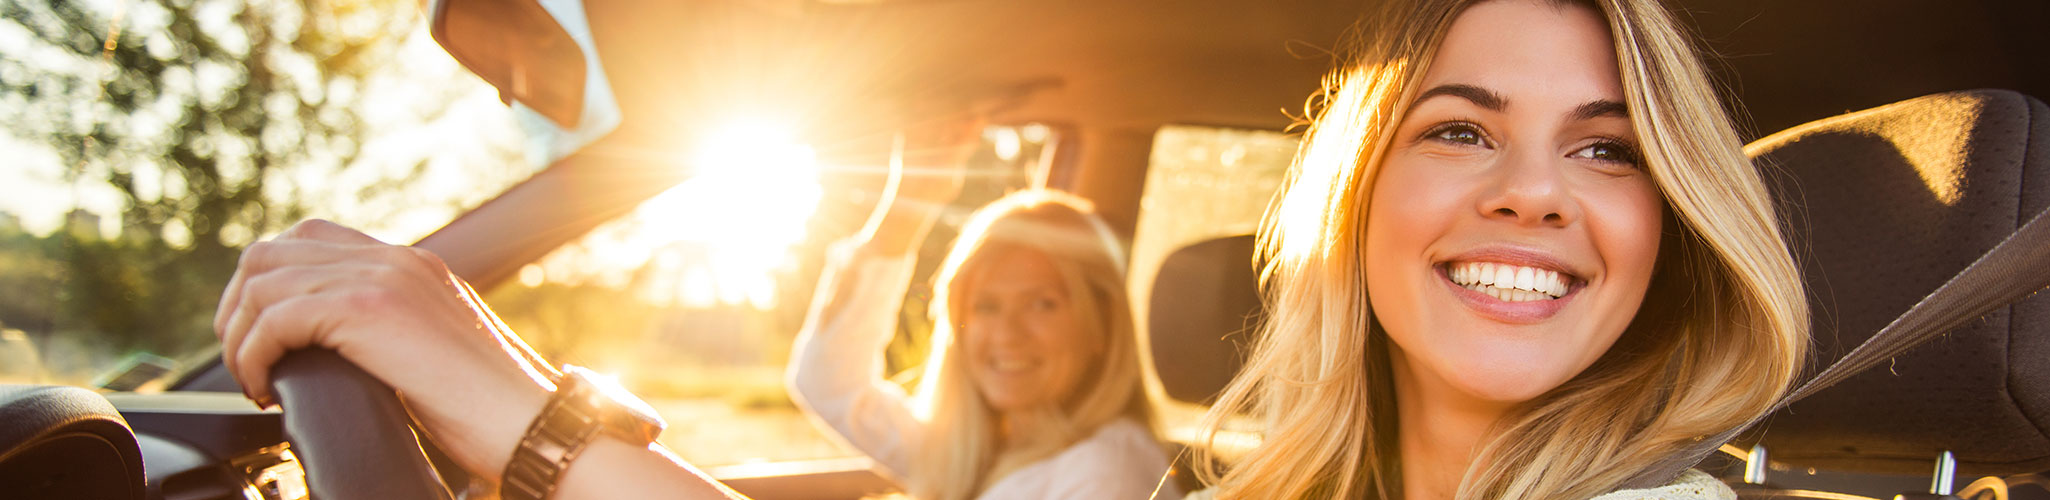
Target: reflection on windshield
147,142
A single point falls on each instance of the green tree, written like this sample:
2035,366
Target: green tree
198,113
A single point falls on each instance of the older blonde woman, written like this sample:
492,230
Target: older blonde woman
1032,389
1521,256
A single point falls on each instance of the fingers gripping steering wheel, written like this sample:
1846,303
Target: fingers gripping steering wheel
350,432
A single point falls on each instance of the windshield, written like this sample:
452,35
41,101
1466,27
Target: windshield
153,141
694,298
147,142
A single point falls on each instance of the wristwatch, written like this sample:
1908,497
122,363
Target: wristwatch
584,406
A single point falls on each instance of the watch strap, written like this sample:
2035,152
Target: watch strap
566,424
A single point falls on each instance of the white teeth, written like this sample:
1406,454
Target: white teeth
1509,282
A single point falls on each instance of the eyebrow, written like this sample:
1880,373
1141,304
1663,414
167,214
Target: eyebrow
1492,101
1481,97
1600,109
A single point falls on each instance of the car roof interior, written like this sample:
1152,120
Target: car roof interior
1108,74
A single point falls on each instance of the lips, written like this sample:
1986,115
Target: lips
1510,285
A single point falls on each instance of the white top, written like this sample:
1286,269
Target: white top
1691,485
836,373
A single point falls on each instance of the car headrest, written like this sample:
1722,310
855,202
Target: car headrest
1191,277
1883,206
1205,303
66,442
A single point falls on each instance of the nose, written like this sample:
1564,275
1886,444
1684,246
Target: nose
1528,189
1005,327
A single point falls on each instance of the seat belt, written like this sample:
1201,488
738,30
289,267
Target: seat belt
2014,269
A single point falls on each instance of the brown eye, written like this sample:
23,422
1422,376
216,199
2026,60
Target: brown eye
1608,151
1459,133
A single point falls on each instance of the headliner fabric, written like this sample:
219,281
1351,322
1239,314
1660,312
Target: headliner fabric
1883,206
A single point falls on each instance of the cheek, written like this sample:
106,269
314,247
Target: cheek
1626,225
973,342
1073,348
1418,205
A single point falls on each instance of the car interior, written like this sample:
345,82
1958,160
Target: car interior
1901,142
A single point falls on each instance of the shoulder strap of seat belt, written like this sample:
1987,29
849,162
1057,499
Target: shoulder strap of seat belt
2016,268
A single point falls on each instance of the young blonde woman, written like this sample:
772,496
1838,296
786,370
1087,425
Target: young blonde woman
1521,256
1033,386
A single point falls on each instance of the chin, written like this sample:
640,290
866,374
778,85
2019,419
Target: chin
1514,378
1001,398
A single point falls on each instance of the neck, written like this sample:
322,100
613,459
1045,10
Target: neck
1017,429
1440,431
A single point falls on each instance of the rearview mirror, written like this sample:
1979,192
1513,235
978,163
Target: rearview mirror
517,47
541,56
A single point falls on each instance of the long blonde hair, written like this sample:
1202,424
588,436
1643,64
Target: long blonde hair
959,455
1721,334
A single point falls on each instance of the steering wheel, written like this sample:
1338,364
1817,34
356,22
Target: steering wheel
350,432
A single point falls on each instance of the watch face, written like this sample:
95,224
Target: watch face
622,414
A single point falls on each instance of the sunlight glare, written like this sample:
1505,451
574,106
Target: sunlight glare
753,190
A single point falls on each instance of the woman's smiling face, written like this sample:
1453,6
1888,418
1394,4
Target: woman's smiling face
1512,231
1026,347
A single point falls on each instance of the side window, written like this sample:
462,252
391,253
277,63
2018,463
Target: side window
693,299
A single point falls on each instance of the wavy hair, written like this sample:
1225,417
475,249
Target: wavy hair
959,456
1721,334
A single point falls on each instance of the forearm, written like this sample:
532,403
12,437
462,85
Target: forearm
836,366
852,318
609,468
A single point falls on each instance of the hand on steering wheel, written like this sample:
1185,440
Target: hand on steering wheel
397,313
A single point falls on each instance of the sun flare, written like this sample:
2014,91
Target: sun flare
718,237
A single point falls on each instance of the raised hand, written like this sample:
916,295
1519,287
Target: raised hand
928,167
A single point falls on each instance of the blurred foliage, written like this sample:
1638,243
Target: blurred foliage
193,111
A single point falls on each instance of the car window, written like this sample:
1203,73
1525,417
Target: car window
693,299
147,142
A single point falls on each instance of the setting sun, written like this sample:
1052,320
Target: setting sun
718,237
735,220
